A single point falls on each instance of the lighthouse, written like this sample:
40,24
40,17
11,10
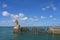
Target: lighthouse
17,26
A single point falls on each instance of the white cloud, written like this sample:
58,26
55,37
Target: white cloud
30,19
12,15
21,15
16,16
43,9
4,5
36,18
13,20
54,8
24,19
5,13
43,17
50,16
47,6
52,5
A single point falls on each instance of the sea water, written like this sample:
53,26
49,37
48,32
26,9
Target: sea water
6,33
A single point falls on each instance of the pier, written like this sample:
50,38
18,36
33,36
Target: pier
51,30
54,30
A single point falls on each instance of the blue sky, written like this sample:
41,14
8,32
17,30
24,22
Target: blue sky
30,12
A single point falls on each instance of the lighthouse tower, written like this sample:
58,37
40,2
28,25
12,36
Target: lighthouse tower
17,26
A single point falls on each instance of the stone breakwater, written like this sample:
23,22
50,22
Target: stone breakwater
52,30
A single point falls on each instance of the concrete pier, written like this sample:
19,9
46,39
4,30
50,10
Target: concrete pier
54,30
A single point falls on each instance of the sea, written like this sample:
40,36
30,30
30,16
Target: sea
6,33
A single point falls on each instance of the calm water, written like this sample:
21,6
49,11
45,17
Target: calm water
6,33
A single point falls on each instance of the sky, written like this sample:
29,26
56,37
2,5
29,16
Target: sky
30,12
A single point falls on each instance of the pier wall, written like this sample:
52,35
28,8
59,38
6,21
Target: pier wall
54,30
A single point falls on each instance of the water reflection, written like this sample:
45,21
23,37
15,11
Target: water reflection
16,36
28,36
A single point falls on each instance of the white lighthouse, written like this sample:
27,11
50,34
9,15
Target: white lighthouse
17,26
